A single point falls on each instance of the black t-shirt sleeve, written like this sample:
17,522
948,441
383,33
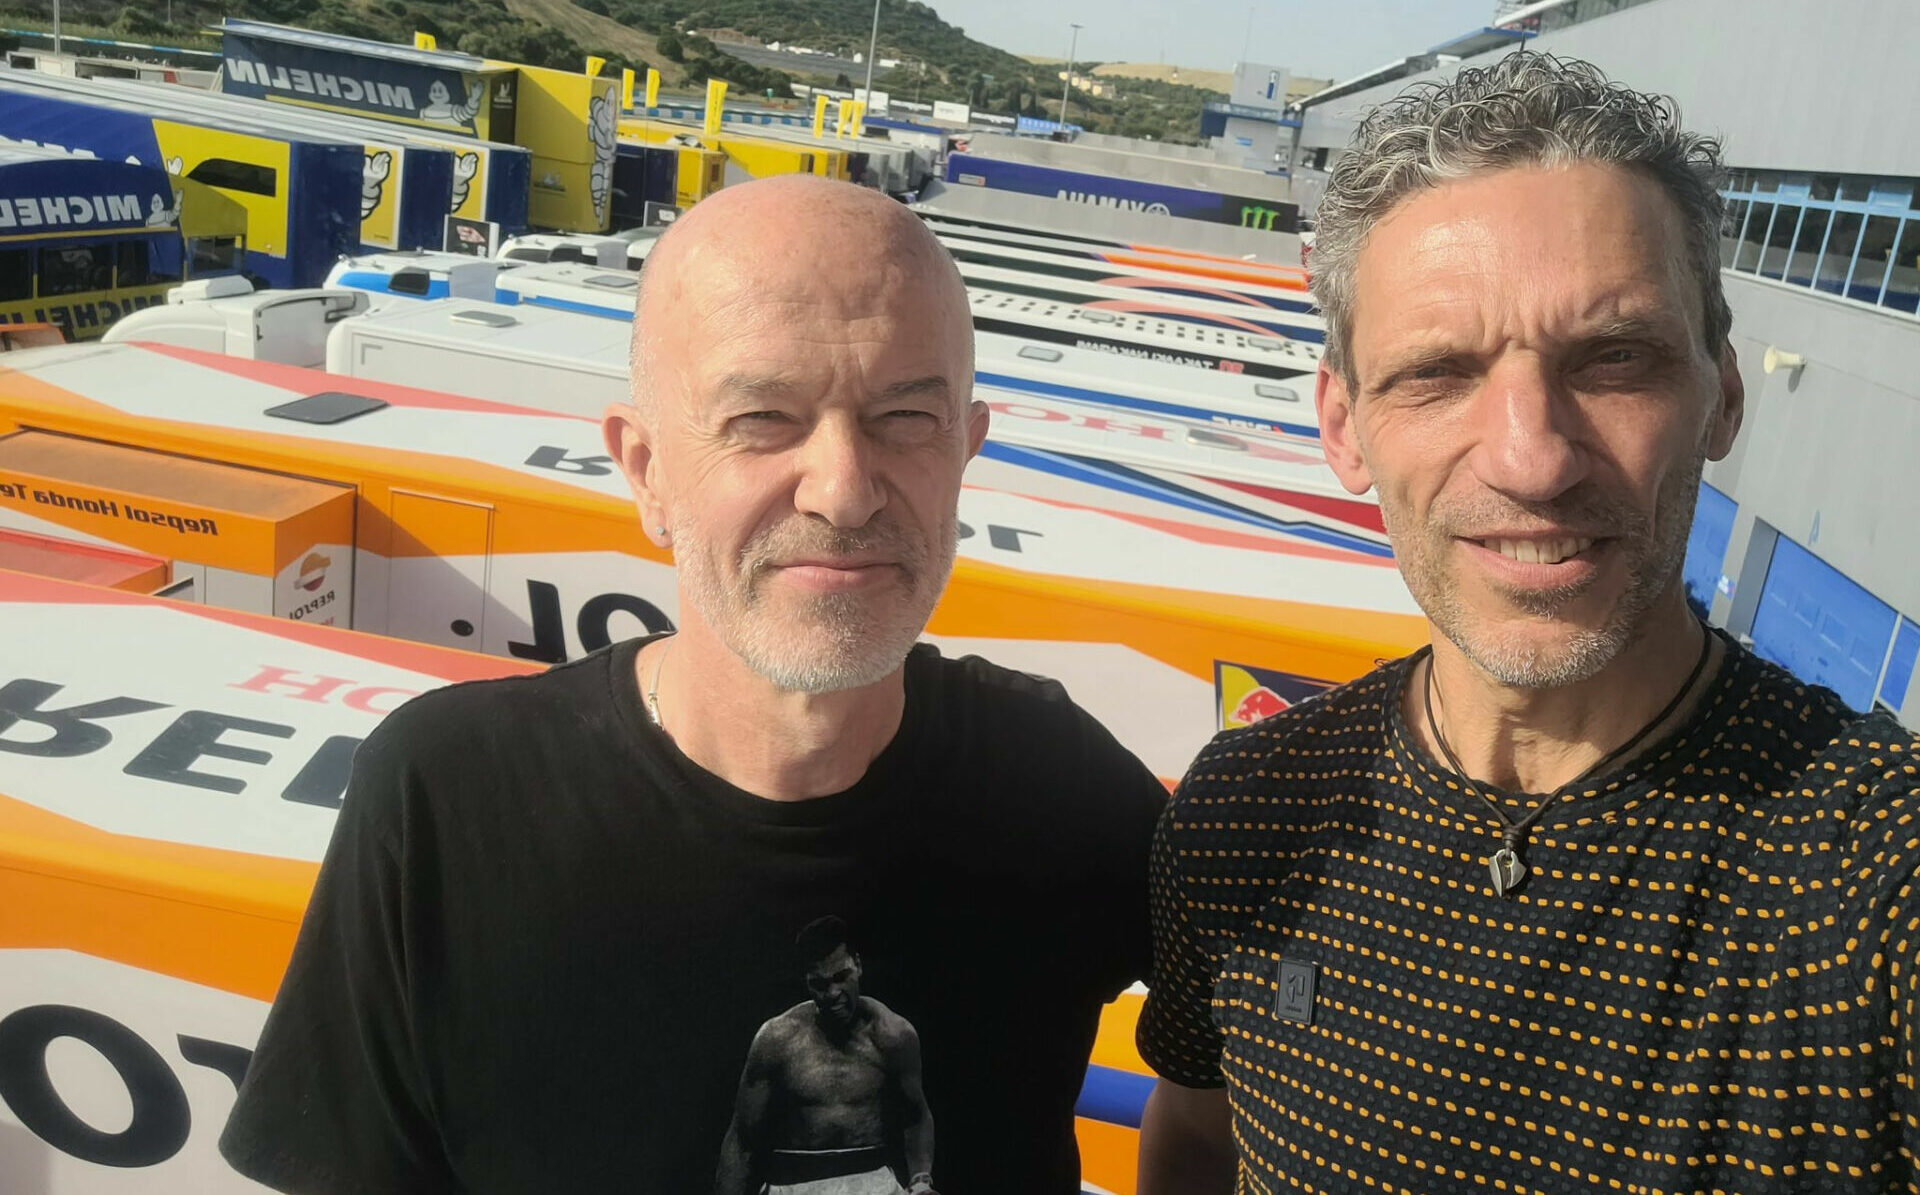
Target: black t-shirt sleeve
1177,1035
1130,797
336,1098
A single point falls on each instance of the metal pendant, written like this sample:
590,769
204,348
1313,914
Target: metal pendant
1508,871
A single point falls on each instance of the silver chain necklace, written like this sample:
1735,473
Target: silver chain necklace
1506,866
653,690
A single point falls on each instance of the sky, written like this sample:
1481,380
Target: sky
1317,38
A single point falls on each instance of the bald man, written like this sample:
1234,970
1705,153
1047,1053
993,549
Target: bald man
558,911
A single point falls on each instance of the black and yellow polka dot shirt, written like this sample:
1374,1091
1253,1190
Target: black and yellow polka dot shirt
1706,983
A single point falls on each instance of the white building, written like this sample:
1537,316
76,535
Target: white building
1253,126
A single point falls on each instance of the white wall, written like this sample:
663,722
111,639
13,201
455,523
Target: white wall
1826,86
1827,456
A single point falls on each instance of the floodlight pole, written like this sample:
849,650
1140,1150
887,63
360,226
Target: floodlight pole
56,26
872,42
1072,47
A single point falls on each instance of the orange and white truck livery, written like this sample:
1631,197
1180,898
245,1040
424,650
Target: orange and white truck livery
1136,580
166,796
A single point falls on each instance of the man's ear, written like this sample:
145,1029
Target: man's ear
1730,407
630,442
1339,431
978,417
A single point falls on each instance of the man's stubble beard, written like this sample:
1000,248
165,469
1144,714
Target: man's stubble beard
1652,556
833,641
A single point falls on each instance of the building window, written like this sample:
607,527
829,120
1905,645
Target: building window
1754,236
1852,236
1730,228
1808,239
1903,271
1836,262
1870,264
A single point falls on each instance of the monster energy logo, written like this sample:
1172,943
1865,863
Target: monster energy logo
1254,216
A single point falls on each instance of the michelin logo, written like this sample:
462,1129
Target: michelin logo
440,108
373,180
159,215
602,124
54,211
372,93
465,167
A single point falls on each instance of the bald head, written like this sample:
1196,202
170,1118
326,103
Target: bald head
784,242
803,414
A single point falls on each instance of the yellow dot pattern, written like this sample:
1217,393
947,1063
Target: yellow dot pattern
1706,983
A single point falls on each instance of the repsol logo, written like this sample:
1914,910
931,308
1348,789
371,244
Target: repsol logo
162,1116
109,508
309,609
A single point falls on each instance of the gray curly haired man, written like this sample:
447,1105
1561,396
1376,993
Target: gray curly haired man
1584,896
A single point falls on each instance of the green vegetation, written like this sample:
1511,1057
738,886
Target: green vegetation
485,27
686,40
938,61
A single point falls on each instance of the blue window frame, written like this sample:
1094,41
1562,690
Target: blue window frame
1899,674
1853,237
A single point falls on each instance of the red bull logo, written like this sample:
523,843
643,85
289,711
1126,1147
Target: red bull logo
1261,703
1244,694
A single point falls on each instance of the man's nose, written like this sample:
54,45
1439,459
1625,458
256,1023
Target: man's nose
837,481
1528,432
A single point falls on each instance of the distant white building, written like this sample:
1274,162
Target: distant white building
1253,124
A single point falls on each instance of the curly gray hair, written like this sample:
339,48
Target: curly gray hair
1527,109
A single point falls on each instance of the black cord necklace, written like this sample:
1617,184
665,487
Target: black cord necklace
1508,869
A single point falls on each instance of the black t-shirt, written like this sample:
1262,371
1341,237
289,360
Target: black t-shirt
543,939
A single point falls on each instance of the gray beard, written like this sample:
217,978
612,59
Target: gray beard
852,648
1654,557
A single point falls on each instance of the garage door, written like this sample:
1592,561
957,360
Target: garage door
1822,626
1707,546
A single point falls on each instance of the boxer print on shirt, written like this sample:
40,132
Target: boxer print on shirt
830,1099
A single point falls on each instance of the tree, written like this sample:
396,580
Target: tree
670,47
841,80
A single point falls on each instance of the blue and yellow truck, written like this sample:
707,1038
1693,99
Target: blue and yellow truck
567,120
412,179
85,240
300,195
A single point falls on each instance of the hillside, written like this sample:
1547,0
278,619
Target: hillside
555,33
679,38
1220,81
596,29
